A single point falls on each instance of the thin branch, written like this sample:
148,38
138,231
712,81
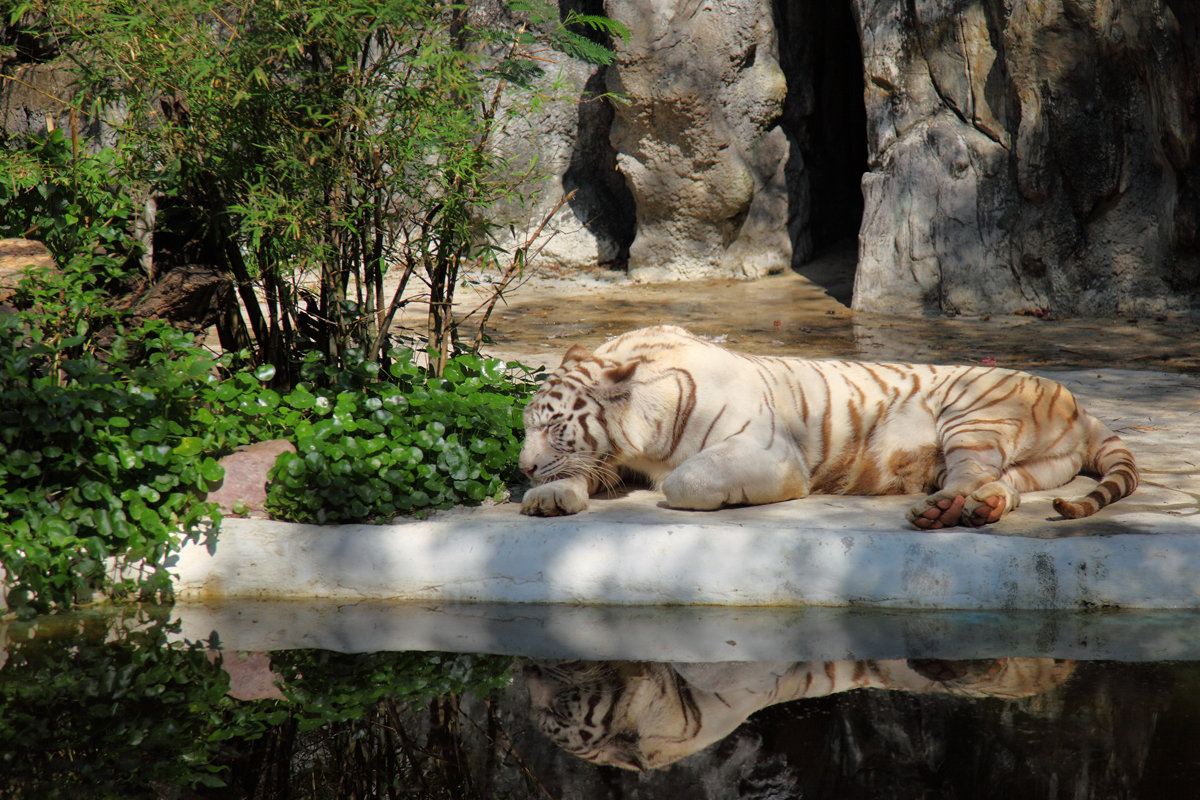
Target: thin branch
499,287
31,87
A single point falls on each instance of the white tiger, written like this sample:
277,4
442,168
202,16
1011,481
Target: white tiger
641,715
712,427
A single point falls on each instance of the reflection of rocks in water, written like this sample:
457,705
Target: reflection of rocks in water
645,716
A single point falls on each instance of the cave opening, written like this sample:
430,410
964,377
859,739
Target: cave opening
825,119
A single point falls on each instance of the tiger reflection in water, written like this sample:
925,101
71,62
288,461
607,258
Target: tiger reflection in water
642,716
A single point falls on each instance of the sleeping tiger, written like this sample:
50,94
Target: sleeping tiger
711,427
642,715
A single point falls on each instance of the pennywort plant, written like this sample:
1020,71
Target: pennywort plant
97,474
108,455
416,441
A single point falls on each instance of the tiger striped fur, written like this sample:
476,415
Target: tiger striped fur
712,427
644,715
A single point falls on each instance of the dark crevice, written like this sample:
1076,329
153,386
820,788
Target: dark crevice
589,7
602,200
23,42
824,117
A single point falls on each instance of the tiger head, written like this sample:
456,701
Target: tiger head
634,715
566,420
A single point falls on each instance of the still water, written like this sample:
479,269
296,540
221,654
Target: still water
137,702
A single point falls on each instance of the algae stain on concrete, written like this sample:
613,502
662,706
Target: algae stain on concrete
1047,579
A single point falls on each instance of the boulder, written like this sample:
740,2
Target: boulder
17,256
698,140
244,489
572,158
990,156
1030,156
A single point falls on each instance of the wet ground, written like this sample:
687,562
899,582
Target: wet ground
806,314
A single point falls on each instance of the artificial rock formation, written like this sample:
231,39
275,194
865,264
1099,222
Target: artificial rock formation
697,139
1030,155
992,155
690,157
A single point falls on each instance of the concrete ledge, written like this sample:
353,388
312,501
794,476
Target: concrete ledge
631,552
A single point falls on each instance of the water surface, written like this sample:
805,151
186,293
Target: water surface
124,705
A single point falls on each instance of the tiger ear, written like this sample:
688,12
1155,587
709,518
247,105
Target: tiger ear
575,354
622,373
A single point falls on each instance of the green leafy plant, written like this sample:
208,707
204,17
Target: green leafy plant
96,463
386,448
69,200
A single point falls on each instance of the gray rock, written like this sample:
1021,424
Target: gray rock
1011,157
570,153
1029,156
698,141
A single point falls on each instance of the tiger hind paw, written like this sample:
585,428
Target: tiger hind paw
984,506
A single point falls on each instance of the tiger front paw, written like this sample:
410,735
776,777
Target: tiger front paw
554,499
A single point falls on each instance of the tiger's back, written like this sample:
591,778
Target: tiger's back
715,427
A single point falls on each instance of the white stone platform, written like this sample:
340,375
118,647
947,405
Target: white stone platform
1141,553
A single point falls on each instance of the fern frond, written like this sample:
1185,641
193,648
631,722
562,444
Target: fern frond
581,47
609,27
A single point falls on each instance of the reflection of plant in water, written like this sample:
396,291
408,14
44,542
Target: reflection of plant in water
371,725
141,716
334,687
107,719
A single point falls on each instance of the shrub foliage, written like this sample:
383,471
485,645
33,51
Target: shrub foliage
319,145
110,458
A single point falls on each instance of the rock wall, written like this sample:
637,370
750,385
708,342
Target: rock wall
990,155
698,140
1029,155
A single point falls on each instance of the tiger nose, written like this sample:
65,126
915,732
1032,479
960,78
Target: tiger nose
527,470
